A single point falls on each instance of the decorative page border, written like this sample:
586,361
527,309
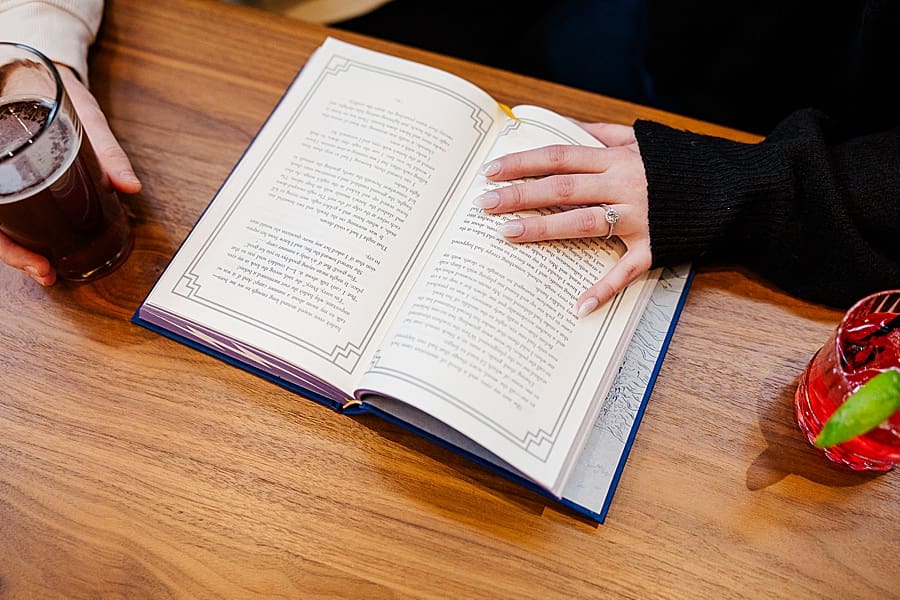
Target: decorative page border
345,356
539,443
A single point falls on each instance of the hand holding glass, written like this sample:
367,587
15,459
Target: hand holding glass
54,198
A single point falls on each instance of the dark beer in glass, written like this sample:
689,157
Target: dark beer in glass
54,198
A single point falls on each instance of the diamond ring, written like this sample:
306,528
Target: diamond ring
612,217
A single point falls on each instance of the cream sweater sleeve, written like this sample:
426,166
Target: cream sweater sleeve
61,29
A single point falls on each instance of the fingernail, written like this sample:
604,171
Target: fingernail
511,229
491,168
587,307
128,176
33,273
487,200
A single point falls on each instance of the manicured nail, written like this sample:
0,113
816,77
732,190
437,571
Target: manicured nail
587,307
128,176
31,271
491,168
511,229
487,200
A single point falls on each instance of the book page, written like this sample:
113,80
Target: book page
488,342
298,263
593,479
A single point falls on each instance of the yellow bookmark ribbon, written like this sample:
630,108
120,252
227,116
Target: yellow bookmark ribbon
508,111
350,403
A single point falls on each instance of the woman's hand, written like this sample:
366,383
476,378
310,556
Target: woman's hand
113,160
584,177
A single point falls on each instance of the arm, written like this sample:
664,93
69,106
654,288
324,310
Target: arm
814,211
63,30
810,208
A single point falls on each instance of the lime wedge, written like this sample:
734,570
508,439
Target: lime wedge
870,405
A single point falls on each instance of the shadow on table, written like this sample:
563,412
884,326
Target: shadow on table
787,449
472,488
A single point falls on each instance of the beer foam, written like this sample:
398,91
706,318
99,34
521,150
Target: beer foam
37,166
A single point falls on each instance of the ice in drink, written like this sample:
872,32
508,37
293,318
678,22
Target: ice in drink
866,343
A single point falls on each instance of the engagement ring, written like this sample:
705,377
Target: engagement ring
612,217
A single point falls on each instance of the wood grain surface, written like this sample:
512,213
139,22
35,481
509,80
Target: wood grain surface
134,467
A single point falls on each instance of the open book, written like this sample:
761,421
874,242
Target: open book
344,259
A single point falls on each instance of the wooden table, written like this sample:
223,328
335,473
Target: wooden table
132,466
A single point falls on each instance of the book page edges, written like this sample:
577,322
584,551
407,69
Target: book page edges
242,355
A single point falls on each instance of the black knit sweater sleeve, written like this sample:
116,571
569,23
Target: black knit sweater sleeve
813,210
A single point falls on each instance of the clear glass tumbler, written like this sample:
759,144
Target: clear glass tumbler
865,343
54,198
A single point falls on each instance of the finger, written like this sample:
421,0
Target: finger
611,134
634,263
579,223
555,190
35,265
550,160
112,158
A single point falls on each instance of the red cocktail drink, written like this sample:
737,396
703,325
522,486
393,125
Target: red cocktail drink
865,343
